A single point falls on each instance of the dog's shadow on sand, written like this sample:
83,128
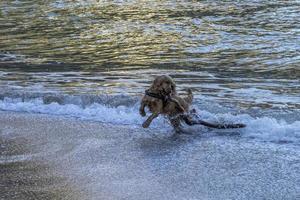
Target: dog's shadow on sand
159,145
162,144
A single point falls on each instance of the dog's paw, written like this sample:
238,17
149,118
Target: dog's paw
193,111
145,125
142,113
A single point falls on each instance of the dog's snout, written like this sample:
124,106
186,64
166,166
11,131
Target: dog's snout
169,89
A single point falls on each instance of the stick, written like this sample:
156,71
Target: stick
192,122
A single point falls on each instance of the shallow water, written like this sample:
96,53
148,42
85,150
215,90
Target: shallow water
93,59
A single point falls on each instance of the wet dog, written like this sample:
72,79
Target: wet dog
162,99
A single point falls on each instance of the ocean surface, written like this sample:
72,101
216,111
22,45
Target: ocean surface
93,60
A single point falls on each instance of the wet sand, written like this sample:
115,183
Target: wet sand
48,157
22,176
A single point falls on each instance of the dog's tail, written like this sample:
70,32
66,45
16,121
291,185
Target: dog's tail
189,97
191,122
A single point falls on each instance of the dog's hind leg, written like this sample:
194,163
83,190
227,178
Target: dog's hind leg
188,120
176,123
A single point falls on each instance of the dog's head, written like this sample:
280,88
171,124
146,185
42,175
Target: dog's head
164,85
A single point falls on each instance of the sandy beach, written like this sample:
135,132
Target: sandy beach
48,157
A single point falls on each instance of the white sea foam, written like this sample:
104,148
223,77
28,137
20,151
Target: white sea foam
262,96
263,128
96,112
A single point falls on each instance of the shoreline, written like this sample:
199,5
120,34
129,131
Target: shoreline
65,158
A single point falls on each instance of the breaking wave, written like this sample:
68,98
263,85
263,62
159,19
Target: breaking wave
123,110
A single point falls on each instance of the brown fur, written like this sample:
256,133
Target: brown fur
173,108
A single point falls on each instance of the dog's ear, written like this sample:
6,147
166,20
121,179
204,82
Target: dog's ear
173,85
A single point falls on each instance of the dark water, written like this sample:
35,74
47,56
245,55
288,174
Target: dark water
245,53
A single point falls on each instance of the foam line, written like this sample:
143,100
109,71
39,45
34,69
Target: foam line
263,128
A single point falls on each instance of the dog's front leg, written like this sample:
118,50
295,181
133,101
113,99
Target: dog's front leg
142,109
147,123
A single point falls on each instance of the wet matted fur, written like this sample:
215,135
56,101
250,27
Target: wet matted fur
163,99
